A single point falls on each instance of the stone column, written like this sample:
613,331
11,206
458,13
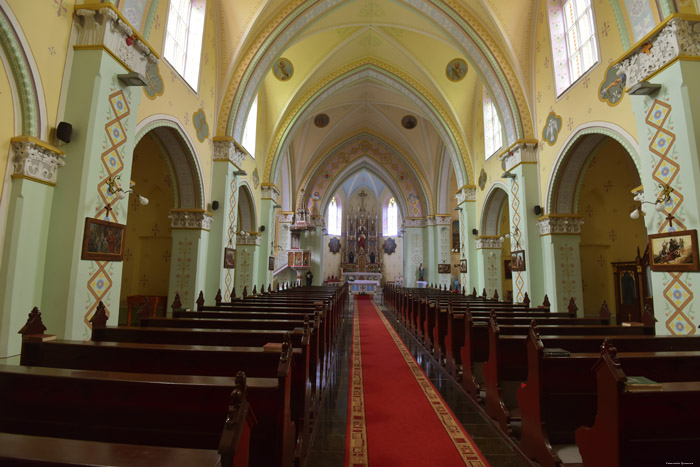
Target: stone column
520,162
413,251
438,246
668,122
188,267
466,202
103,109
284,221
246,264
313,240
34,176
228,159
268,207
488,255
561,237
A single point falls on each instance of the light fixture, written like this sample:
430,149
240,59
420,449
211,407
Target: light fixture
277,206
662,199
242,173
644,88
114,189
458,208
515,235
508,175
133,78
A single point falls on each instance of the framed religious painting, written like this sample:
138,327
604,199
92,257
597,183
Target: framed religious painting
674,251
463,265
103,240
443,268
517,260
229,258
271,263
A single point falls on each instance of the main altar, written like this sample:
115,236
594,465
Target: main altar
362,262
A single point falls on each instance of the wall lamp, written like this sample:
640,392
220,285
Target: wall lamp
644,88
277,206
133,78
458,208
659,205
115,190
508,175
242,173
515,235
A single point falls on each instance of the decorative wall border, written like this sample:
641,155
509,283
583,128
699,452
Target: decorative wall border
358,452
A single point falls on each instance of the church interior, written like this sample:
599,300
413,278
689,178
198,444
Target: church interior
382,190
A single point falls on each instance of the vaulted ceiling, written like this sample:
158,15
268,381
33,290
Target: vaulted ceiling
367,64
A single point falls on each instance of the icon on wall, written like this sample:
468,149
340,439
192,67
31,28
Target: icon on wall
283,69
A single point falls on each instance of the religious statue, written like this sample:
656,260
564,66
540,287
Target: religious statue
361,242
421,272
351,257
309,277
372,257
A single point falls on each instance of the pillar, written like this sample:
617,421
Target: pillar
268,207
668,122
488,258
413,251
438,247
466,204
561,237
246,264
188,266
103,111
520,162
228,159
35,174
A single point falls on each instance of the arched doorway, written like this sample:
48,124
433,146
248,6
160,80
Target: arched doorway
493,243
247,241
165,172
589,233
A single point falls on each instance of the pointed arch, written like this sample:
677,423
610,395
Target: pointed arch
496,200
463,28
24,75
178,151
571,163
388,75
247,217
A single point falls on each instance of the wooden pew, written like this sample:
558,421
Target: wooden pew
560,393
188,413
274,413
507,362
641,426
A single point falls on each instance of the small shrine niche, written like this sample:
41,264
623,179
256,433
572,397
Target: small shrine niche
361,252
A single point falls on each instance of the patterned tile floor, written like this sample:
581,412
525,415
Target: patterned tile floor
328,445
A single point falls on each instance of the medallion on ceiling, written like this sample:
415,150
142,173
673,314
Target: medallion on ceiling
456,69
409,122
321,120
283,69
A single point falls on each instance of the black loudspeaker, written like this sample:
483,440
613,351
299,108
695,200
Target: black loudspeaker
538,210
64,131
214,205
262,228
475,232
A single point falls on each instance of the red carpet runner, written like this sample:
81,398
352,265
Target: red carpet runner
395,415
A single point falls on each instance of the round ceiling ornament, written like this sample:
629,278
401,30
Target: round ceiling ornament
409,122
456,70
321,120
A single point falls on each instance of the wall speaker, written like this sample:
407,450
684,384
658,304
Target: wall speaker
538,210
262,228
64,131
214,205
475,232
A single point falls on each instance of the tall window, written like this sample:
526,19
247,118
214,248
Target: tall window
492,127
574,47
335,218
183,38
251,125
392,218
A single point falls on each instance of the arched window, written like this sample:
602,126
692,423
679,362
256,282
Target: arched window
250,130
392,218
183,38
335,218
492,127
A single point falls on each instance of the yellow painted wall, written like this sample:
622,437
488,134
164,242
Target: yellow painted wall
608,233
181,101
148,237
579,105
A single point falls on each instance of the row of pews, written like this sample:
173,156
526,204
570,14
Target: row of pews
232,384
569,390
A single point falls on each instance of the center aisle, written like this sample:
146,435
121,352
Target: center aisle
395,415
